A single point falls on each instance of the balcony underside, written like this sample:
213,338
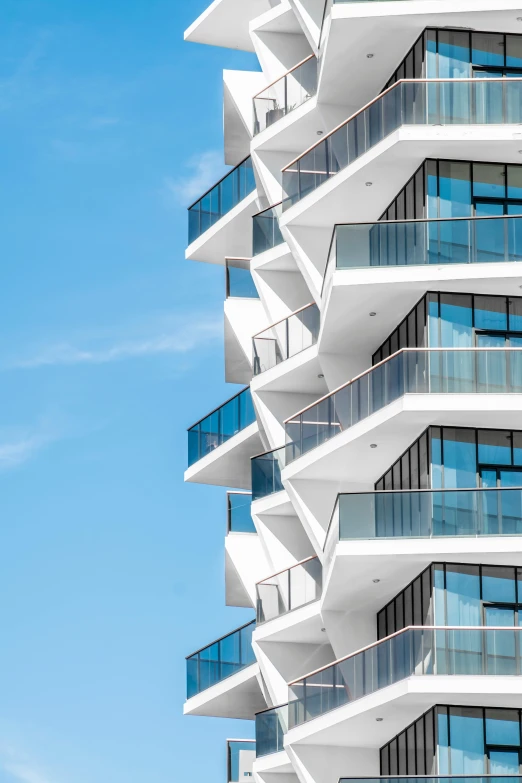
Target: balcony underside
229,237
352,294
226,23
229,464
238,696
298,372
396,562
345,197
388,31
302,625
275,763
348,456
354,725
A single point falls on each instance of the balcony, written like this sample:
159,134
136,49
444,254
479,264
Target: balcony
220,660
286,338
408,102
409,371
285,94
241,755
414,651
428,514
266,233
239,517
287,590
239,281
266,473
221,198
219,426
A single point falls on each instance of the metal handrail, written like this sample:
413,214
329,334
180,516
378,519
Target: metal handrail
404,630
378,97
282,320
427,220
285,570
216,641
272,206
265,453
310,56
401,350
218,407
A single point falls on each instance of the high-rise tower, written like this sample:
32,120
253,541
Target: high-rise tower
371,237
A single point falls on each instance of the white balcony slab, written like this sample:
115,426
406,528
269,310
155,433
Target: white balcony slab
396,562
298,372
355,724
229,464
302,625
238,696
388,30
229,237
394,428
274,763
388,165
275,259
226,23
277,504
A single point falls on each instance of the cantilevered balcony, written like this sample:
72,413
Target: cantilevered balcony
266,233
239,283
221,198
285,94
220,445
428,513
409,371
413,652
287,590
266,473
419,242
241,755
222,678
410,102
220,221
286,338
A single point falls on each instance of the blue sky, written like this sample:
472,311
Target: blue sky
111,569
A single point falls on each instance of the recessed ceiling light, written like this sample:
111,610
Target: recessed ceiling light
369,56
320,375
519,18
372,314
323,630
368,184
379,720
320,133
376,581
373,445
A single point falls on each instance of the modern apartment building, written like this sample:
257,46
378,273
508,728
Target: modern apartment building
370,233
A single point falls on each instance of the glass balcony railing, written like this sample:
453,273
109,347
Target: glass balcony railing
220,425
288,590
409,371
239,281
241,755
221,198
412,651
286,94
220,660
266,473
408,102
266,233
271,727
417,242
286,338
418,650
239,517
428,513
435,778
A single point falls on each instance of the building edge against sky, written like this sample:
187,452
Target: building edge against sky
370,234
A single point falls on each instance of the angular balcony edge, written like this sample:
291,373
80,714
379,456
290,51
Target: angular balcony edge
282,593
266,233
408,371
285,94
232,653
220,425
286,338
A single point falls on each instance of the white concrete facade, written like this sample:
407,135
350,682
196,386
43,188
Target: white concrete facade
314,588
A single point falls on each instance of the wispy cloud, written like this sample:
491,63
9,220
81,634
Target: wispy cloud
24,773
18,446
177,339
204,170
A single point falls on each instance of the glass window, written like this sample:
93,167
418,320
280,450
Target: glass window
453,54
513,51
436,458
463,595
433,320
381,624
402,754
504,762
419,739
405,470
399,614
502,727
427,618
412,329
454,189
442,741
460,458
385,769
417,602
423,462
514,180
432,188
517,450
429,733
489,179
456,321
414,466
467,741
419,190
494,447
491,312
408,606
498,585
412,755
390,619
393,757
439,598
487,49
515,314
